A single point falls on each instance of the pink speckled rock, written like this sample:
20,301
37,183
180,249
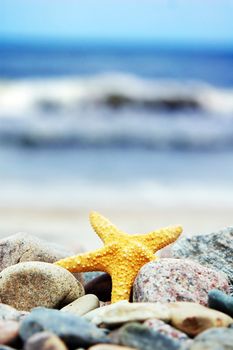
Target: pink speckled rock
169,280
164,328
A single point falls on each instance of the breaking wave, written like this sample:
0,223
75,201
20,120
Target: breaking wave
115,110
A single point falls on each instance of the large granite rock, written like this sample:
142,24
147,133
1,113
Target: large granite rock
30,284
214,250
170,280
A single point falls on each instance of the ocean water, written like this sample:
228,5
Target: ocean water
97,126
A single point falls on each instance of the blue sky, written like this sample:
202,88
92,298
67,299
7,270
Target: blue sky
201,21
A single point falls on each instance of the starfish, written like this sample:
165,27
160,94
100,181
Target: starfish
122,255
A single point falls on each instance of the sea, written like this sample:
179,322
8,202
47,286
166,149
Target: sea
103,125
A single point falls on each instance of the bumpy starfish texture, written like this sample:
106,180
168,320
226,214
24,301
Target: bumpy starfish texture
122,255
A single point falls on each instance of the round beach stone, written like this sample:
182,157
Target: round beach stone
30,284
192,318
214,339
220,301
9,331
45,341
123,312
170,280
82,305
74,330
141,337
109,347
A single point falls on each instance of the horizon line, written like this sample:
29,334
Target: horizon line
162,43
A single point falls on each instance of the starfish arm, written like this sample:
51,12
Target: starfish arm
121,285
91,261
159,239
104,228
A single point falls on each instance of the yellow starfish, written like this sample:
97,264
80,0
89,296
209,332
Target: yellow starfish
122,255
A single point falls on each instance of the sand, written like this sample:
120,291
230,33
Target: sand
70,226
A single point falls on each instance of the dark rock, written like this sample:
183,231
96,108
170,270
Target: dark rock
34,283
220,301
214,250
214,339
101,286
89,276
45,341
170,280
140,337
73,330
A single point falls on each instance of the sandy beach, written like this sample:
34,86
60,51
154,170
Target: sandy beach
71,228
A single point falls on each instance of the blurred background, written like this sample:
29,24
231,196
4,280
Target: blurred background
120,106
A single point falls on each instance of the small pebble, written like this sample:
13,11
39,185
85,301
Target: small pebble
214,339
10,313
164,328
141,337
193,319
9,331
45,341
220,301
109,347
82,305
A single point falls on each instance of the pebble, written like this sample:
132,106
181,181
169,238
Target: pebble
123,311
10,313
220,301
141,337
109,347
74,330
164,328
214,339
82,305
170,280
101,286
213,250
45,341
9,331
193,319
30,284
